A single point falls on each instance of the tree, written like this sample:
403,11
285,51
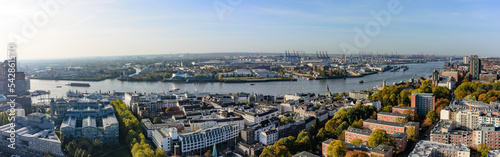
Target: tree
42,109
387,108
356,153
431,115
336,148
357,141
413,115
322,134
412,133
483,149
441,92
358,124
313,130
273,150
157,120
381,137
208,153
160,152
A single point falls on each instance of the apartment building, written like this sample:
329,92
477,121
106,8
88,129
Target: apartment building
423,102
432,149
268,137
402,109
379,151
393,117
364,135
167,138
389,127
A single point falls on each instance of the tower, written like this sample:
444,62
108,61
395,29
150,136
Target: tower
475,67
383,83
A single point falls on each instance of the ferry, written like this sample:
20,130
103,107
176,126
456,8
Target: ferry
95,96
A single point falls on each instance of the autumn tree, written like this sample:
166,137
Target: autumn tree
483,150
357,141
336,148
381,137
412,133
273,150
356,153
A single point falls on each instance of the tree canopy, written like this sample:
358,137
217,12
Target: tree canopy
336,148
381,137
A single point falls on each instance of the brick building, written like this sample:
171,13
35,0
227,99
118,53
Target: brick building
364,135
402,109
379,151
393,117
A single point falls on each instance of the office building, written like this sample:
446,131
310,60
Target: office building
268,137
93,121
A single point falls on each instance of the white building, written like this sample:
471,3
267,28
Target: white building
435,149
268,137
34,136
189,141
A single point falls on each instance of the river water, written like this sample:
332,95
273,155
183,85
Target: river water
270,88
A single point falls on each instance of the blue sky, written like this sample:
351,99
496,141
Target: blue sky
134,27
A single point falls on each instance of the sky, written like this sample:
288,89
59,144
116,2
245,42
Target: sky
83,28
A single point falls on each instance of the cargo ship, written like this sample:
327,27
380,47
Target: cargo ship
79,84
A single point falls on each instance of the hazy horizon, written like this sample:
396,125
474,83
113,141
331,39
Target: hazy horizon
69,28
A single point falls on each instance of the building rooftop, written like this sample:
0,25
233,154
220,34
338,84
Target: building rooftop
423,94
403,107
381,149
384,123
425,148
393,114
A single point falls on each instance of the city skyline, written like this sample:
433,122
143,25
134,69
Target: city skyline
114,28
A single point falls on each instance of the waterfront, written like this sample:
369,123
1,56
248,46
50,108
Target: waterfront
271,88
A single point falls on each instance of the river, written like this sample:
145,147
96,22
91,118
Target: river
268,88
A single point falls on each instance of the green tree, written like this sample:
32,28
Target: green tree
387,108
157,120
358,124
432,115
381,137
336,148
441,92
483,150
160,152
357,141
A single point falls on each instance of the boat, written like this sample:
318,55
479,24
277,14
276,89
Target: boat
176,89
58,86
79,84
35,93
74,94
251,84
361,81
